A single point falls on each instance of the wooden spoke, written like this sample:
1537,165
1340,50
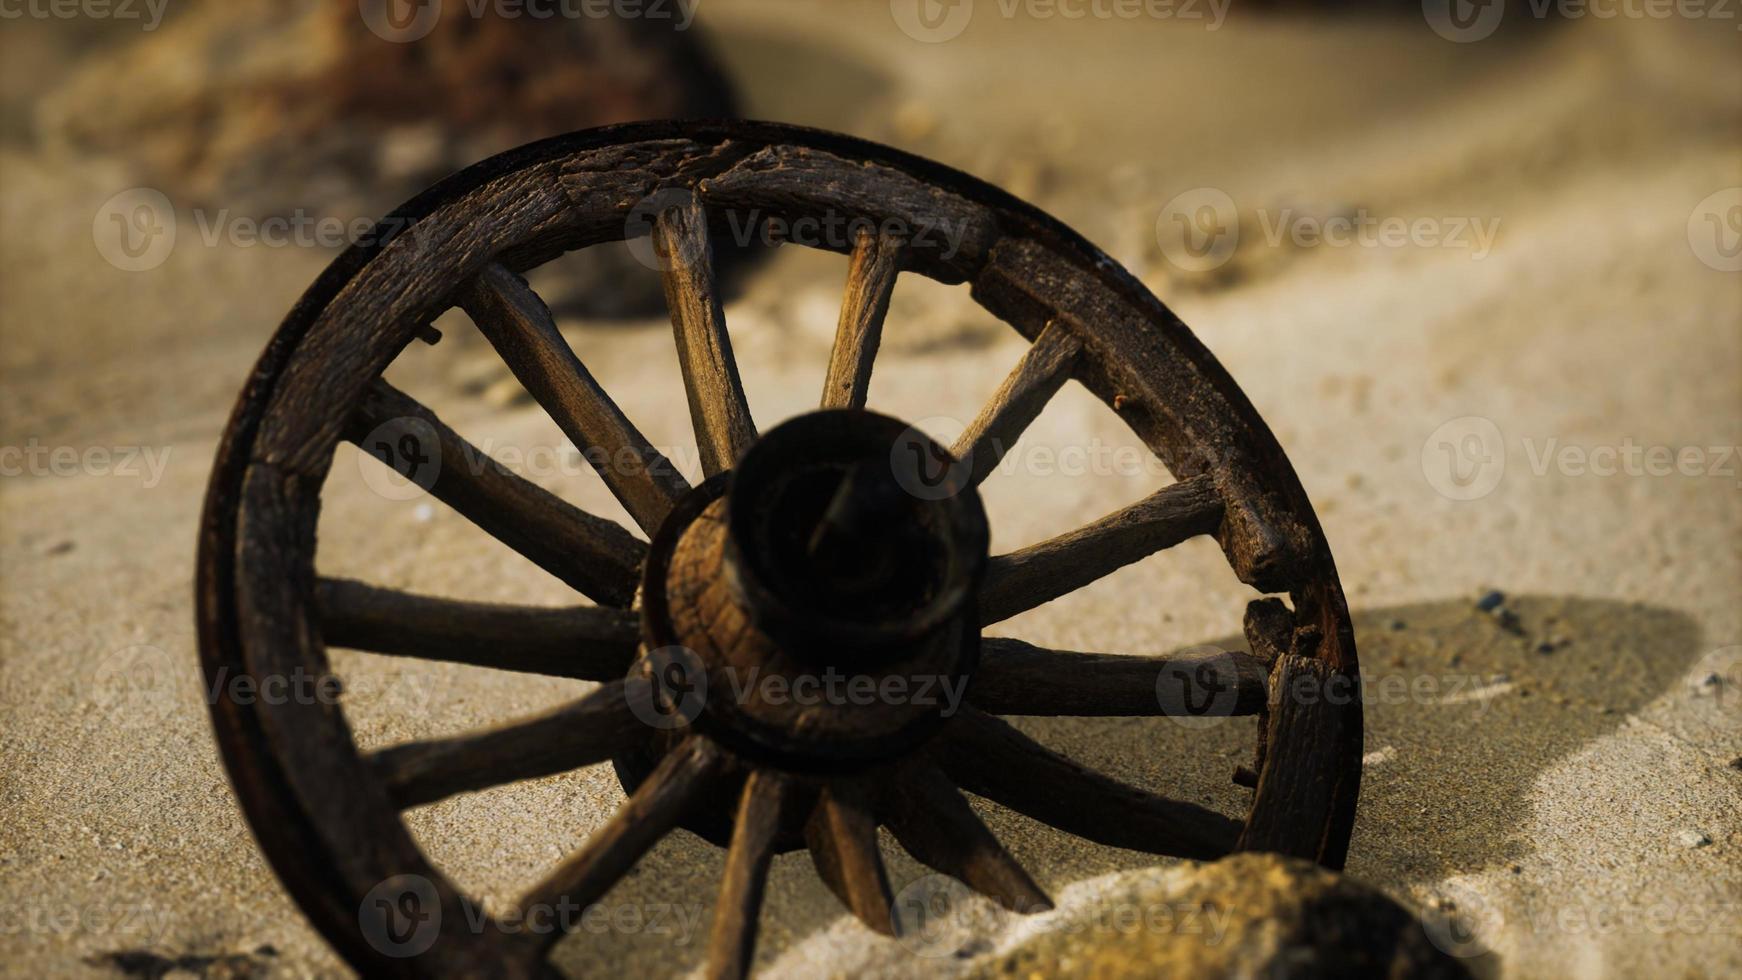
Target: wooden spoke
1015,678
932,820
718,409
842,834
582,732
871,275
1038,574
520,327
594,556
989,758
760,810
580,641
1040,373
687,774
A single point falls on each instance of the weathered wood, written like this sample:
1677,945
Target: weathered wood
1311,707
687,774
948,234
1016,678
989,758
761,807
932,820
1169,389
1038,574
719,411
582,732
332,832
579,641
871,275
520,327
1269,628
1044,368
842,835
596,557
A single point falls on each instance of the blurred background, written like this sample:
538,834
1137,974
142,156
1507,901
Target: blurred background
1478,266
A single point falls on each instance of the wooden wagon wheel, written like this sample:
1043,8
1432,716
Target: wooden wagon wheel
841,542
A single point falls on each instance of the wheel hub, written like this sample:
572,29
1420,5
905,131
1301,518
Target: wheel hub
815,607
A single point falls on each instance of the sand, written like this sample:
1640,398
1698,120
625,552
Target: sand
1568,796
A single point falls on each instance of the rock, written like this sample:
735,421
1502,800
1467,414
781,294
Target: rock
1248,915
1491,600
1692,838
267,106
252,109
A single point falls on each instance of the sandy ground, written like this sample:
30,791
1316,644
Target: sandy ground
1569,798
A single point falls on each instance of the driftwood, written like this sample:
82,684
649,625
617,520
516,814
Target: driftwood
723,577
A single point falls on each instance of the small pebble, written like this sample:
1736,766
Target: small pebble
1692,838
1491,600
1736,763
422,513
1398,625
1708,685
1508,620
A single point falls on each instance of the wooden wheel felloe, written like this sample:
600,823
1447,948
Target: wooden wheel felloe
840,543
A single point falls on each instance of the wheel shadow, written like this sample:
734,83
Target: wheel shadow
1463,710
